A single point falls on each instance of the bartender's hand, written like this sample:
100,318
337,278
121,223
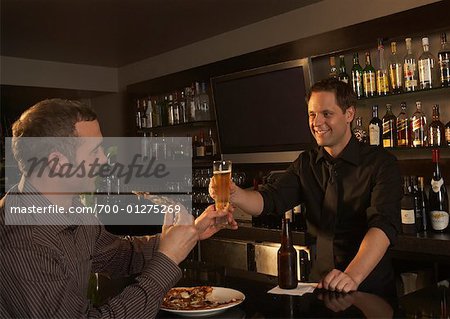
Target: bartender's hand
335,301
234,189
177,241
206,223
339,281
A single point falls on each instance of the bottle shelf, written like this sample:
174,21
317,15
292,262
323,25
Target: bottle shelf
417,93
414,153
178,126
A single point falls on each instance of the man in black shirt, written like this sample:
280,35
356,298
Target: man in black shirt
352,193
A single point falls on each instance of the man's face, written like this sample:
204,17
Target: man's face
91,149
329,125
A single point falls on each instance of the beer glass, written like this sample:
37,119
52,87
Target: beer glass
222,180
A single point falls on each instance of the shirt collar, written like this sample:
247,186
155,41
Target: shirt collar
350,153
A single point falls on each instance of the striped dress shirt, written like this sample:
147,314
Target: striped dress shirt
45,269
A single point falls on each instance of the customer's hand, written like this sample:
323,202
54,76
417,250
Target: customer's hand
339,281
177,241
206,223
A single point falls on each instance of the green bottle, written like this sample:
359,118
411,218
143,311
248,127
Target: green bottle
357,77
369,78
343,76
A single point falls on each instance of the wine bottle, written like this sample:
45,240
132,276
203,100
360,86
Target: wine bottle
395,70
389,128
444,61
343,75
436,129
403,132
423,200
382,74
375,128
410,68
369,78
287,259
414,190
418,124
439,214
407,208
357,77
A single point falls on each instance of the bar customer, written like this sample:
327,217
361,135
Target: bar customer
46,268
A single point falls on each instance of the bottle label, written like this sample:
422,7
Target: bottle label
369,83
447,135
436,185
410,80
444,65
374,134
417,132
200,151
425,67
402,132
439,219
408,216
387,134
382,83
357,83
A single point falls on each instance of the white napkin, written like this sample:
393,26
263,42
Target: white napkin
302,288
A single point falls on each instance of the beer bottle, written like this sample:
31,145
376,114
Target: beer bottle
287,259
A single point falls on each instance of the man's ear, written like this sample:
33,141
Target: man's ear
350,114
56,160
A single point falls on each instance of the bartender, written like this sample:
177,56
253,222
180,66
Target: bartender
352,193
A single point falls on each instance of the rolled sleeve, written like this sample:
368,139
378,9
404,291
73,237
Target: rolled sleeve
384,210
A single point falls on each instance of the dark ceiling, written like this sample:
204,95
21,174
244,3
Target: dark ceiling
118,32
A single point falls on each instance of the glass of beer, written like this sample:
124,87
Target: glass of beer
222,180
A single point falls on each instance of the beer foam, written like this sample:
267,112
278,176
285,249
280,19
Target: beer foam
222,172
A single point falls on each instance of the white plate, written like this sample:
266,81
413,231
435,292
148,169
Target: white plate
219,294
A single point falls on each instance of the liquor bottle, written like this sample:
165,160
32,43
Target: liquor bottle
436,129
375,128
138,114
382,73
190,103
423,200
359,131
333,69
427,67
157,120
343,75
369,78
195,145
210,145
144,117
437,197
395,70
176,108
418,124
407,208
410,68
444,61
403,129
198,107
357,77
287,259
170,113
204,103
414,190
200,147
447,133
149,113
389,128
182,107
164,105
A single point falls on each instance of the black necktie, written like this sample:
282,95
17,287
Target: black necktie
325,235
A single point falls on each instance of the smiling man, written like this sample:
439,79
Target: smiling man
352,193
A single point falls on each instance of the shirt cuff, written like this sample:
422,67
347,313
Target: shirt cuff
390,231
162,270
150,247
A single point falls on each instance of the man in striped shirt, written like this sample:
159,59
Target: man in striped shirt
45,269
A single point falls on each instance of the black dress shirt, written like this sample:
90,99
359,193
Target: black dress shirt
369,191
45,269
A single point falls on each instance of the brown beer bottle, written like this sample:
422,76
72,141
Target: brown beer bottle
287,259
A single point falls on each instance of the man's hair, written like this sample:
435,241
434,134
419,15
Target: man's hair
48,119
345,96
